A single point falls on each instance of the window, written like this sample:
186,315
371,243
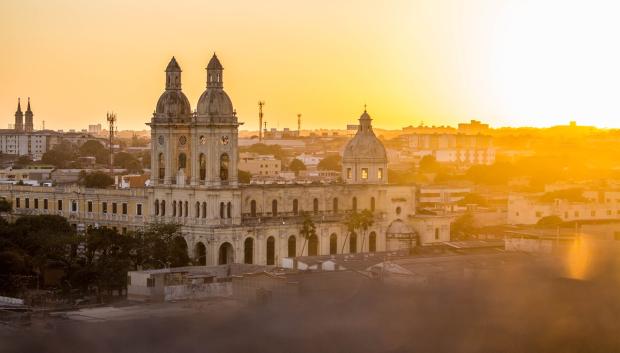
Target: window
333,244
349,173
162,167
380,173
174,208
197,209
204,209
222,209
27,202
248,251
163,207
36,203
364,173
253,208
354,204
292,246
17,202
114,208
74,206
104,207
274,208
45,205
185,209
335,205
224,161
436,233
229,210
59,205
157,207
124,208
372,204
139,209
182,161
150,282
315,206
202,163
295,207
89,206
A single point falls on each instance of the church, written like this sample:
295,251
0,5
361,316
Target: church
194,183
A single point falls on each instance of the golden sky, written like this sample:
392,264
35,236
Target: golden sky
506,62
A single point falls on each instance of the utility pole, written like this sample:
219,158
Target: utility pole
260,120
299,125
111,117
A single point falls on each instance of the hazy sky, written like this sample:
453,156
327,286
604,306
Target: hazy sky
507,62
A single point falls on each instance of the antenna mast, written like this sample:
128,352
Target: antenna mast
299,125
111,117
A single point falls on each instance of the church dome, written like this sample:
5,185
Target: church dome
398,227
215,102
173,104
365,146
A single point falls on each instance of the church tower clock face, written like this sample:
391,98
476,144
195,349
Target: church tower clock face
225,140
203,140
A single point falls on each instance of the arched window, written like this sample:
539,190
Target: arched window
313,246
333,244
182,161
315,206
353,243
224,161
292,246
295,207
174,208
197,209
226,254
372,204
200,254
204,209
180,203
180,247
163,207
161,166
372,242
222,210
253,208
156,207
248,251
229,210
186,209
274,208
335,205
271,251
354,204
202,163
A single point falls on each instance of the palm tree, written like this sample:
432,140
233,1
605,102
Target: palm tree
307,231
366,220
353,223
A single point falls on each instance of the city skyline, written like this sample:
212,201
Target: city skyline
438,62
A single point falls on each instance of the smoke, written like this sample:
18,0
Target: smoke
525,308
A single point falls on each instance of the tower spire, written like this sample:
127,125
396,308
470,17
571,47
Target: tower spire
29,124
215,70
19,116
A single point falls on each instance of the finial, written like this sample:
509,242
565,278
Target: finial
28,103
364,107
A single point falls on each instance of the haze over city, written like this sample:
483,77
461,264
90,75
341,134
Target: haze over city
517,63
309,176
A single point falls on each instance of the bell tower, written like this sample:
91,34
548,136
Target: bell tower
29,125
19,117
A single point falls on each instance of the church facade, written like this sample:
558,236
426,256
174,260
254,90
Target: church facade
194,183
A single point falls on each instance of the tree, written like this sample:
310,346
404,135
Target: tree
94,148
158,246
463,227
308,229
333,162
352,222
60,155
96,179
296,166
244,177
22,162
428,164
128,161
549,222
366,220
5,205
